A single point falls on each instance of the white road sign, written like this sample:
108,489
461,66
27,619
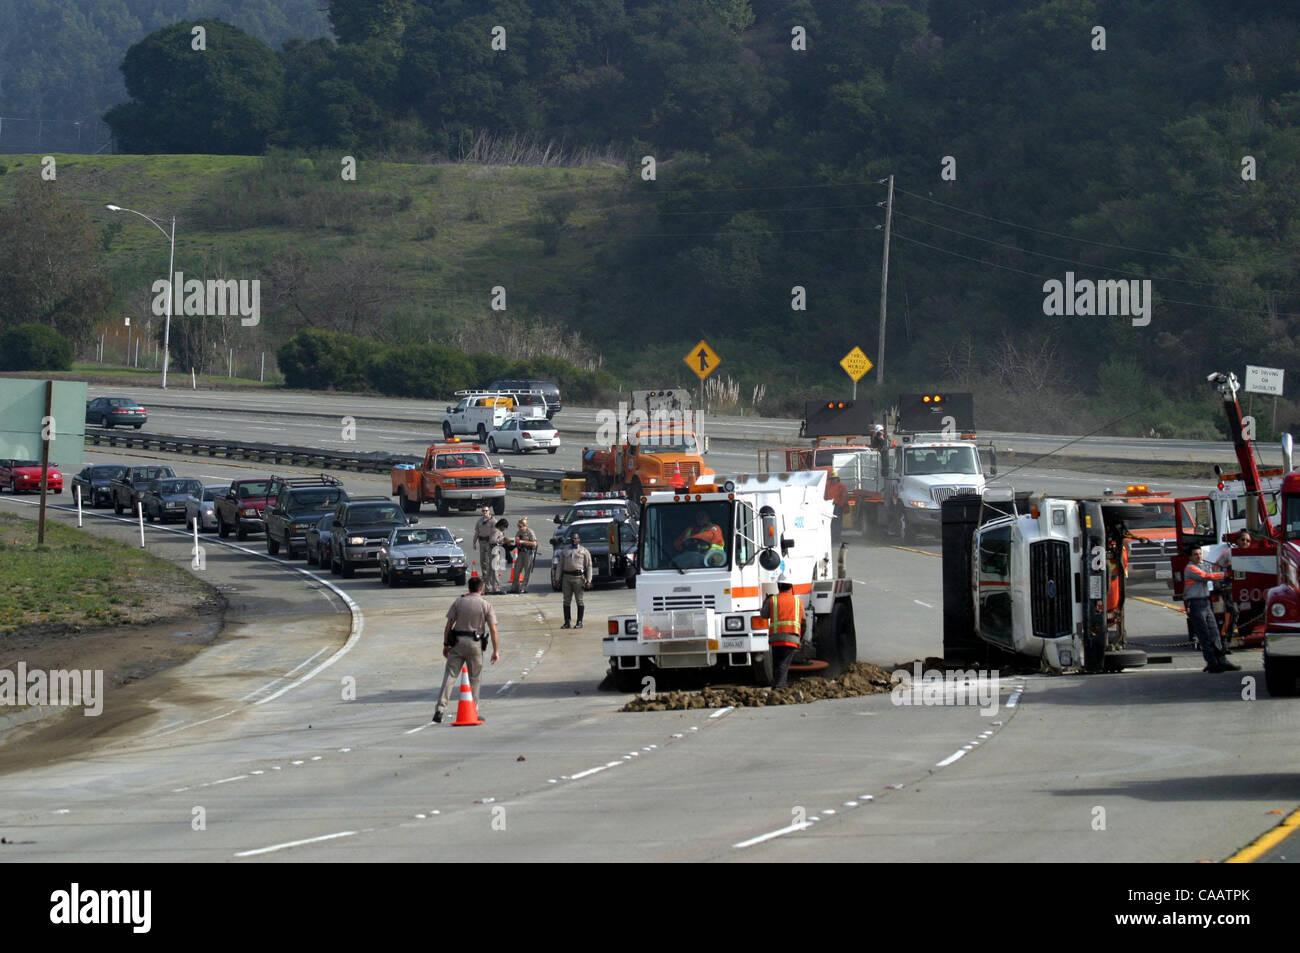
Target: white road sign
1264,380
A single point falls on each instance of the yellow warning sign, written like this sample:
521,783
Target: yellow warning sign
856,363
702,360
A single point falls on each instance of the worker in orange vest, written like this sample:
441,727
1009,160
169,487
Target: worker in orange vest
785,629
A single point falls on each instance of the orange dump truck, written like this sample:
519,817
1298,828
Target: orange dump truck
651,458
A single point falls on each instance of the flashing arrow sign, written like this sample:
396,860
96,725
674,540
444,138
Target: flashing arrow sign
703,360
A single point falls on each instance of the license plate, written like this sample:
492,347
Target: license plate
543,443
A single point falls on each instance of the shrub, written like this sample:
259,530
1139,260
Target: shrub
321,360
34,347
424,370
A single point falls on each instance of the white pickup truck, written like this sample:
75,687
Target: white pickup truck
480,411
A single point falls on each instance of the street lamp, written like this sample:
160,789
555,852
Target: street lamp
171,273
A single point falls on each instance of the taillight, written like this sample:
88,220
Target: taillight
613,627
527,435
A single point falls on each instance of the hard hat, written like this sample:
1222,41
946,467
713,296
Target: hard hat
880,428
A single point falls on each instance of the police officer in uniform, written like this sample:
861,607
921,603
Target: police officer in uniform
575,576
483,531
466,618
525,552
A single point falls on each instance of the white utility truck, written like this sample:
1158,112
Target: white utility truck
481,411
699,604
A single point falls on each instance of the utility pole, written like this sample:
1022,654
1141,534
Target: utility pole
884,283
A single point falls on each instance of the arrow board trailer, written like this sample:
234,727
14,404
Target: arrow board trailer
1046,585
700,594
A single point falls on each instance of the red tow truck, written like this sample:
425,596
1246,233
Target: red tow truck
1264,591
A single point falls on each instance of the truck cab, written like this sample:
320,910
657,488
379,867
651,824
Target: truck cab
926,469
452,474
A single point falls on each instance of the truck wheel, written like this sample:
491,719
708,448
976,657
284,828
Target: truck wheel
222,529
311,556
1094,651
117,506
409,505
628,679
482,434
440,504
446,430
346,569
761,669
1279,678
272,544
240,532
499,506
104,422
551,449
1130,658
516,446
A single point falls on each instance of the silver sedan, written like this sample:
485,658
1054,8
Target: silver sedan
204,506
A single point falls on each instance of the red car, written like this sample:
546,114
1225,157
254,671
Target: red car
24,476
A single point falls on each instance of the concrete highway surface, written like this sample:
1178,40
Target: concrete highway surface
304,732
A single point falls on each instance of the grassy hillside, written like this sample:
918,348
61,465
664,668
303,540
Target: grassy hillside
404,252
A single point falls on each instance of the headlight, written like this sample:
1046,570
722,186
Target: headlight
399,562
1277,610
356,541
630,627
250,512
651,480
734,623
449,482
922,504
458,560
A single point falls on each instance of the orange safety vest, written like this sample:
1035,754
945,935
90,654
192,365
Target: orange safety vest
785,611
710,534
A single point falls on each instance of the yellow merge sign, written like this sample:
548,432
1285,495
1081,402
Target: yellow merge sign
856,363
702,360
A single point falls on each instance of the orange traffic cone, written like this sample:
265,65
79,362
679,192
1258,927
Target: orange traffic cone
466,711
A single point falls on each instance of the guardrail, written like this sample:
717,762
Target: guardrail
311,457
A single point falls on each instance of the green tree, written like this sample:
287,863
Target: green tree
52,268
34,347
224,99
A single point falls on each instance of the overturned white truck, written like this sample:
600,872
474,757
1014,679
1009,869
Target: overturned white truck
1037,576
700,593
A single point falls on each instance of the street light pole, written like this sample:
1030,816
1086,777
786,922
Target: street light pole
171,274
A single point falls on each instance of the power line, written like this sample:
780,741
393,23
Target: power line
1085,241
1033,274
1071,261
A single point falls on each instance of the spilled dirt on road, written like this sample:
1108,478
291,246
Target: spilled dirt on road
861,678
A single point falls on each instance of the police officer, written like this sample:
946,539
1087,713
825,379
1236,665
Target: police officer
1196,597
525,553
575,576
483,531
466,618
785,628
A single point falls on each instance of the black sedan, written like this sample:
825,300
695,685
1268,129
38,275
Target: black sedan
112,411
165,499
93,482
594,536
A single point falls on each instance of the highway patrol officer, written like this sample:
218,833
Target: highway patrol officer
525,553
466,618
575,576
483,531
1196,597
785,628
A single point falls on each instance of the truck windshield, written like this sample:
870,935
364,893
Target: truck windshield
461,461
667,443
687,536
1153,516
926,461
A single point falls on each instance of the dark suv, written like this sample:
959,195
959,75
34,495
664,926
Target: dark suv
361,526
550,390
299,505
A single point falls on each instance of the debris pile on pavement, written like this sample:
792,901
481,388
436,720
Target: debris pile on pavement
861,678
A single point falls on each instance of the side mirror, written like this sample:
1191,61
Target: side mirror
769,560
558,519
458,539
413,520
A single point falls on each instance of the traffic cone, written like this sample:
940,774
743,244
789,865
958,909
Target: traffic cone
466,711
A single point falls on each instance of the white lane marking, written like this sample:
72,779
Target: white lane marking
770,834
1014,700
427,724
920,603
591,771
190,724
950,759
850,804
506,686
293,843
303,664
722,711
238,777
